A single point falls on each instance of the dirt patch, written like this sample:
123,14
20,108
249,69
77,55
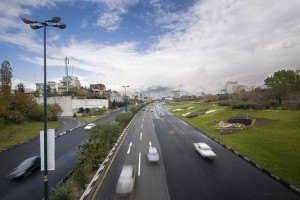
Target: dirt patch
241,119
197,113
259,122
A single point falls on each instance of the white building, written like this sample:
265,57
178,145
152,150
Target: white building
71,105
53,86
72,80
231,87
116,97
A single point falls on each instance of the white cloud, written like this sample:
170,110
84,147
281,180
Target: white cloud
83,24
109,21
110,17
218,41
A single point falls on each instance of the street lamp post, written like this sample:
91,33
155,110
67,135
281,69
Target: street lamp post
37,25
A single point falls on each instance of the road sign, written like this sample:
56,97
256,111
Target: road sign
126,106
50,149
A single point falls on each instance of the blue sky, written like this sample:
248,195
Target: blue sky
188,44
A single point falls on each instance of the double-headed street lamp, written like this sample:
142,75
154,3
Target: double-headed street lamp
52,22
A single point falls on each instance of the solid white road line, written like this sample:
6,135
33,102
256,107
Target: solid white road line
141,135
142,125
150,144
143,119
139,170
129,148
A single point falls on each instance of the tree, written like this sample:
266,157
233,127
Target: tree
36,93
48,90
5,77
284,82
54,111
20,88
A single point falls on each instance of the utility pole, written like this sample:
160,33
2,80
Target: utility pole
67,73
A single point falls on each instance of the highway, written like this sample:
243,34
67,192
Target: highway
65,154
150,179
183,173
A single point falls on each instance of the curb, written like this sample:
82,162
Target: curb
278,179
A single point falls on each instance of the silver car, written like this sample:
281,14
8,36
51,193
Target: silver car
204,150
89,126
126,181
152,155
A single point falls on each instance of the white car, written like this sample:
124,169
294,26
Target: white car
126,181
89,126
152,155
204,150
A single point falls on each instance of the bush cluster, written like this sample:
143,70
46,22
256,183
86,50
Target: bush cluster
17,108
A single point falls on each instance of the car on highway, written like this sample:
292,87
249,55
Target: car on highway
126,180
89,126
25,168
152,155
204,150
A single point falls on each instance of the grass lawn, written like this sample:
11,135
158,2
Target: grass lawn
17,133
274,146
88,119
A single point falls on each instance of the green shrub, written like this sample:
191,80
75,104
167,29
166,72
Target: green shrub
92,153
248,105
2,122
62,192
80,176
105,132
81,110
124,118
224,103
54,111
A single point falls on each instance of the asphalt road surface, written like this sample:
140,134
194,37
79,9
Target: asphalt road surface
69,123
183,173
32,186
150,178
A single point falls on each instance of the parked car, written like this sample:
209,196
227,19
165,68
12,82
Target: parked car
152,155
89,126
126,180
25,168
204,150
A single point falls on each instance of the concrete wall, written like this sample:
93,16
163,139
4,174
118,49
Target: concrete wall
69,104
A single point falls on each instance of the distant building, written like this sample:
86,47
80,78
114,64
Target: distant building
176,95
40,86
100,88
115,96
243,87
72,81
231,87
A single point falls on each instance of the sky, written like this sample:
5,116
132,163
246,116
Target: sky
190,45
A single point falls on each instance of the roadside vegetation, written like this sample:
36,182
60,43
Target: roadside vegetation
90,114
272,138
91,154
20,115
